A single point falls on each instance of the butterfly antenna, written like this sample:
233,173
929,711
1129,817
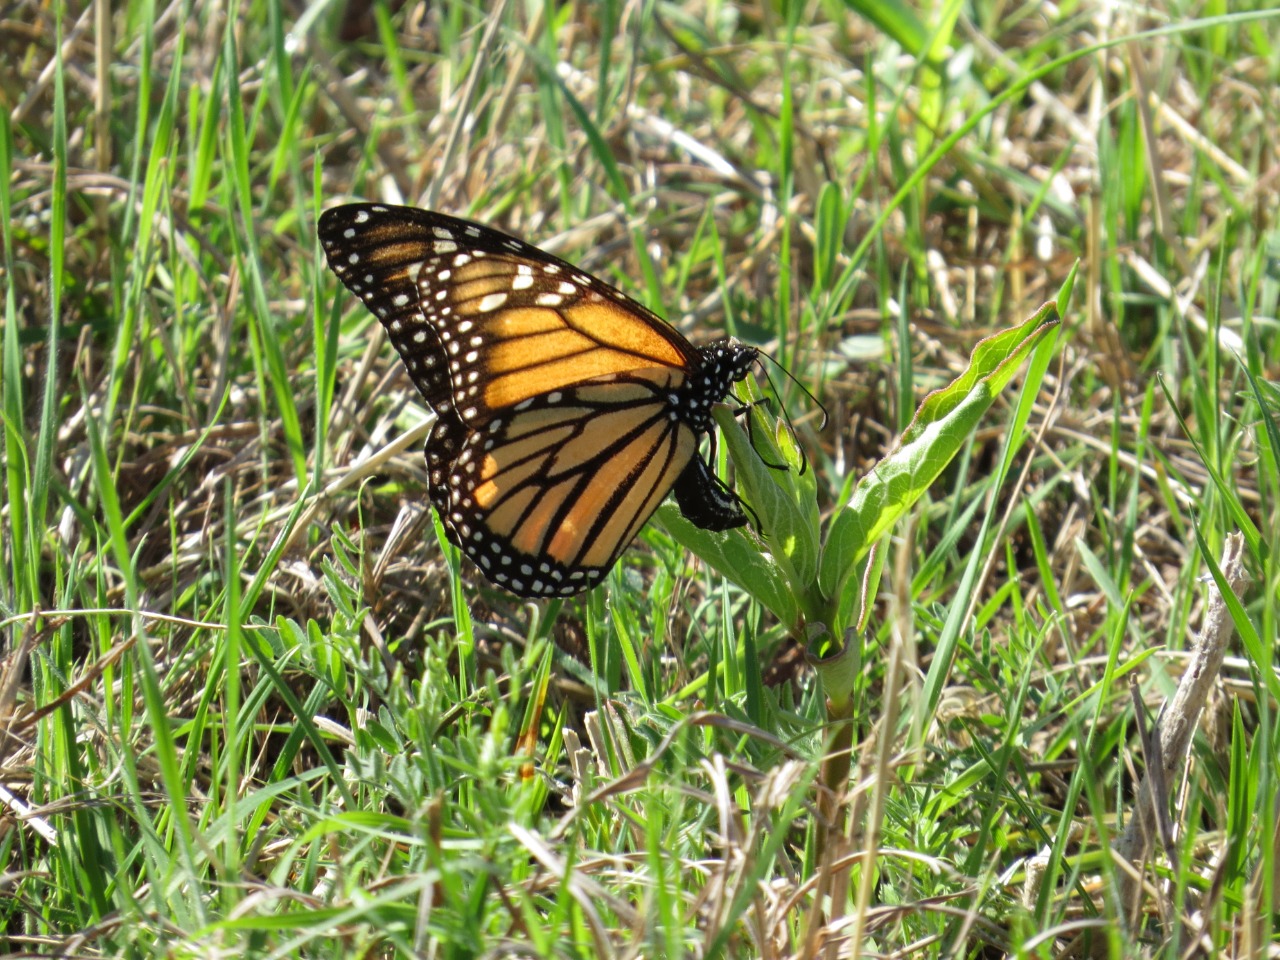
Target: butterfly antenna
791,427
745,409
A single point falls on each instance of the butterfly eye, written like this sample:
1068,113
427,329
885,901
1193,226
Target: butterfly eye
566,411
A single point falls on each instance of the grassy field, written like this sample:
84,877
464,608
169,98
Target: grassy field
253,704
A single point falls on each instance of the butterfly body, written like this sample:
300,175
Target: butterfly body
566,411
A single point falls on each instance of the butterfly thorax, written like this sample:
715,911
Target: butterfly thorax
721,365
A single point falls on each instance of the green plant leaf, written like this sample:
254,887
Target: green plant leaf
933,437
771,471
736,555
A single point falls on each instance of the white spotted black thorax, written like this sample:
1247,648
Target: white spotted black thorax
722,364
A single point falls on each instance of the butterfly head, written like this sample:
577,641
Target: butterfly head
720,365
725,362
728,360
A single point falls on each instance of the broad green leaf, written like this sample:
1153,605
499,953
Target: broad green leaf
933,437
736,555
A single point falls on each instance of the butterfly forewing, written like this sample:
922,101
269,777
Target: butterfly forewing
379,258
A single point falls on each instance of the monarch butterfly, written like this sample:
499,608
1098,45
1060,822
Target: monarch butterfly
565,410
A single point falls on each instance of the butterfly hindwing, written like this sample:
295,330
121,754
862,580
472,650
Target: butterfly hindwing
448,434
548,495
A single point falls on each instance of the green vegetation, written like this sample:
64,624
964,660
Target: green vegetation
254,705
